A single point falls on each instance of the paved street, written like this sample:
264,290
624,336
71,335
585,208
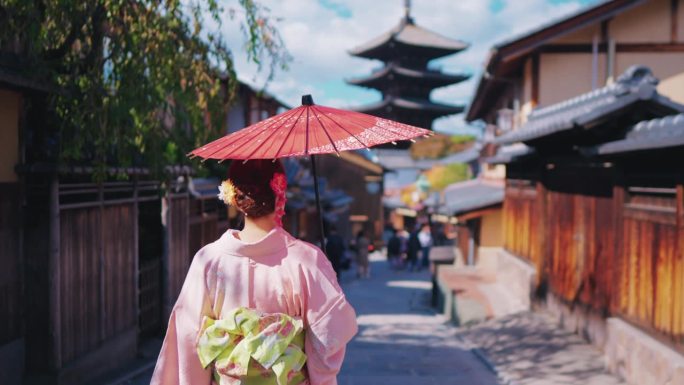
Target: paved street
530,349
401,340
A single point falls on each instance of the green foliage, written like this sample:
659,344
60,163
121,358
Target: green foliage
442,176
136,82
440,145
461,139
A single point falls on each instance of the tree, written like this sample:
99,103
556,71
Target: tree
440,145
136,81
442,176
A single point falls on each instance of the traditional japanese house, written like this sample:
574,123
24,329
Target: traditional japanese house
595,204
100,263
17,93
477,206
362,180
251,106
406,78
577,54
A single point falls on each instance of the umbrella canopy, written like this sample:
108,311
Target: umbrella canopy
308,130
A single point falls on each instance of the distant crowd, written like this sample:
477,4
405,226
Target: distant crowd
405,249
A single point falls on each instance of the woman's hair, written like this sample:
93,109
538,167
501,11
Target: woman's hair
254,195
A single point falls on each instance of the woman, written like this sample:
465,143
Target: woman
362,243
258,306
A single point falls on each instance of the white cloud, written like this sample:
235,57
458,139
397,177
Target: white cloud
318,38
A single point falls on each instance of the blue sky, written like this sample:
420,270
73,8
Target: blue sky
318,34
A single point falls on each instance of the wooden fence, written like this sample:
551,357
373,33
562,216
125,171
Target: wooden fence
522,213
651,276
608,244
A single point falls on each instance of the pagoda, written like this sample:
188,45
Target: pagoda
406,79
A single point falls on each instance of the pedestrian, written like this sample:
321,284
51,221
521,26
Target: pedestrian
334,247
425,238
403,237
248,284
412,250
394,250
363,265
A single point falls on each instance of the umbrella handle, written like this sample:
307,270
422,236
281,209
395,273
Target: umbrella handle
318,202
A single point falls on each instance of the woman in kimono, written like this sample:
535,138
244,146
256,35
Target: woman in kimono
258,306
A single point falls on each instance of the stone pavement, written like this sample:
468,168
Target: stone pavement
401,340
530,348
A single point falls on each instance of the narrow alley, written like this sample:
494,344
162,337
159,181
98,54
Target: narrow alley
401,340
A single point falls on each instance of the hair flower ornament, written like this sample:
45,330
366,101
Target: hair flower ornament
279,186
227,192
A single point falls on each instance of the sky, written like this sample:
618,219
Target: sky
319,33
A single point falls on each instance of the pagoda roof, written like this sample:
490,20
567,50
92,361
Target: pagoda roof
410,37
411,104
429,78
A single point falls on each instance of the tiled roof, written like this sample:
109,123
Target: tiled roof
408,33
506,154
636,85
471,195
507,57
649,134
401,159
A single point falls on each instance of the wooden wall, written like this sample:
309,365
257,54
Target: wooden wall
98,277
178,258
604,241
650,278
522,220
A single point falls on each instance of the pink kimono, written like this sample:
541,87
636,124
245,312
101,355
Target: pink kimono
278,274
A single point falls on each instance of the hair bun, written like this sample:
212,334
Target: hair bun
253,193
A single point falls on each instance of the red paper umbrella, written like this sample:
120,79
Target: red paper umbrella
305,131
308,130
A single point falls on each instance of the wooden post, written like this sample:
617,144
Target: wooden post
54,272
674,16
101,267
136,252
619,198
535,80
543,230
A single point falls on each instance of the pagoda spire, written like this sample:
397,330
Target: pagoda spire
407,11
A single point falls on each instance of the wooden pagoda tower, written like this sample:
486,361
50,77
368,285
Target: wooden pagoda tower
406,80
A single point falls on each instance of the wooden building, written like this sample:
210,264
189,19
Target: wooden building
16,94
361,180
477,207
251,106
578,54
596,206
90,270
406,78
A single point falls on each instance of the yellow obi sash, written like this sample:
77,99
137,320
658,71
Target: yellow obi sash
250,348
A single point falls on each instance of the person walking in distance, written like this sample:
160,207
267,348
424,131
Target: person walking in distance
412,250
334,249
425,238
362,243
394,250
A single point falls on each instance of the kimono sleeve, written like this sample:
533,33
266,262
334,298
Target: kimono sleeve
331,324
178,362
